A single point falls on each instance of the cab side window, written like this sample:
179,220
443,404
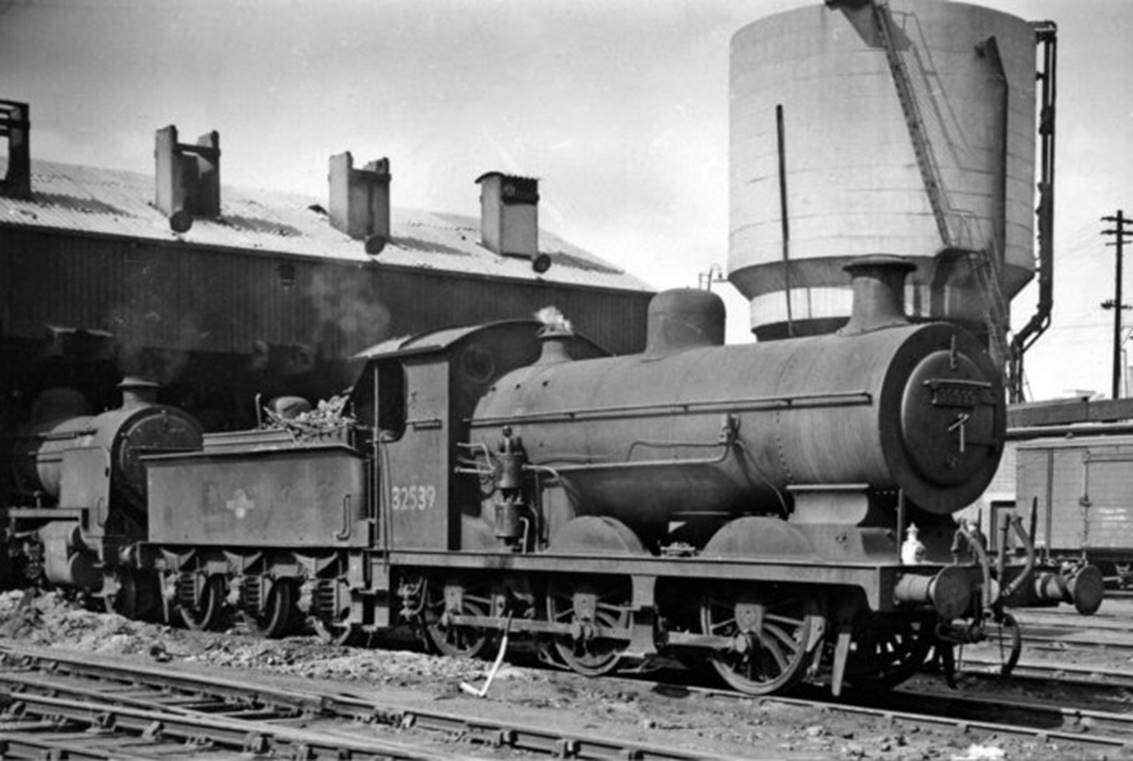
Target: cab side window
391,400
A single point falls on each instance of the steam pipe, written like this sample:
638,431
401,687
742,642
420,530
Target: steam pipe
1016,523
1046,34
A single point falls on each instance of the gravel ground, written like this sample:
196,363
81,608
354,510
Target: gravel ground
612,707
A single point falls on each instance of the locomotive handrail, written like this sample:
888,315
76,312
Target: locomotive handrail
726,438
344,534
820,399
644,463
671,445
53,436
471,467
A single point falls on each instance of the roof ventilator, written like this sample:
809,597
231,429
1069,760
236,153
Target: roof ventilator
188,177
359,200
509,218
15,126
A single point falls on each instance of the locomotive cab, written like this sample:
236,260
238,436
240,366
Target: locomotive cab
422,391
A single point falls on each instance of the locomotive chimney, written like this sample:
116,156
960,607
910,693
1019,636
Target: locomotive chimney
684,318
359,200
137,392
187,177
878,284
509,217
15,126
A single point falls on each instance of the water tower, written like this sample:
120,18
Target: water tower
906,127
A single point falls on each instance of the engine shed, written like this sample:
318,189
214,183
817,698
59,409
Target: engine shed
220,297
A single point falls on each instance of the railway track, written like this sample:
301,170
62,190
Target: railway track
967,714
1042,722
1088,633
1086,676
80,707
1071,635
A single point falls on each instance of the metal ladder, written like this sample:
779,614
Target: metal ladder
984,265
926,161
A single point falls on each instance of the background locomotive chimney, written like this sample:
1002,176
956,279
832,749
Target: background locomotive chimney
878,285
683,318
137,392
15,125
359,200
509,217
188,177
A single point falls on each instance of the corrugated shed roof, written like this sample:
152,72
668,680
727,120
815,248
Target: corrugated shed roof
113,202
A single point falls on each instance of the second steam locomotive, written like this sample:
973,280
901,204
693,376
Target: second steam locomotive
781,510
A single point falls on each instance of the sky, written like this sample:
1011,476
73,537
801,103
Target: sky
620,107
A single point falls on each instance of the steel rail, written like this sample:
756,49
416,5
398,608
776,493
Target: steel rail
901,700
1087,676
1078,718
1068,620
356,709
149,698
1069,641
250,736
533,739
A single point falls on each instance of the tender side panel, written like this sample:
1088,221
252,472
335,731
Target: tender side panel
309,497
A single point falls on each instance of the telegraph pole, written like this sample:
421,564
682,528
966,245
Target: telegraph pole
1120,234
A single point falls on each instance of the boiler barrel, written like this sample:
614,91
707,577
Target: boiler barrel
124,434
38,454
653,438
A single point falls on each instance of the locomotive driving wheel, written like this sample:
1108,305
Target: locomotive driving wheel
205,613
447,637
589,606
886,652
275,617
770,635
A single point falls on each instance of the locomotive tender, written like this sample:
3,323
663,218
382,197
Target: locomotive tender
745,504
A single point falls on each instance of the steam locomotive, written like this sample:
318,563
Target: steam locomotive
781,510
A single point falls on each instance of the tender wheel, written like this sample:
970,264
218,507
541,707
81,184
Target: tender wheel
335,632
330,612
888,651
441,634
138,595
769,633
206,613
589,607
278,614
